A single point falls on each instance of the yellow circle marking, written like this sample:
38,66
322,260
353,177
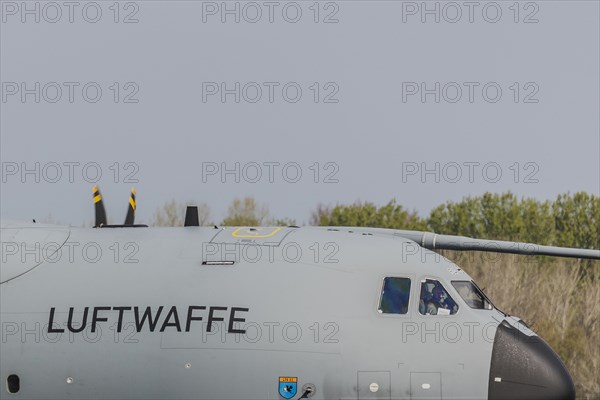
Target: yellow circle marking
247,233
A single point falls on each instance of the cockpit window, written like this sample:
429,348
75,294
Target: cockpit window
394,296
471,294
435,300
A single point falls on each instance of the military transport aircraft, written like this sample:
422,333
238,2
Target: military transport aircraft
131,312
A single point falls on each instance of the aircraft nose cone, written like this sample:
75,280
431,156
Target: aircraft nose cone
525,367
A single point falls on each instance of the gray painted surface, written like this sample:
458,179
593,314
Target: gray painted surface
334,304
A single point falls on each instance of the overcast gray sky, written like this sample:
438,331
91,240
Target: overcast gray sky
362,97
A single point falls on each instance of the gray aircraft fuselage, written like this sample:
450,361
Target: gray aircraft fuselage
225,313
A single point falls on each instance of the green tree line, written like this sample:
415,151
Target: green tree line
572,220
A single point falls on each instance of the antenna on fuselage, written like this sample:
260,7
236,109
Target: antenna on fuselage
191,216
100,217
130,217
100,212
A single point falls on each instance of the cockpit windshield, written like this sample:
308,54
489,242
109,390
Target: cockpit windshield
471,294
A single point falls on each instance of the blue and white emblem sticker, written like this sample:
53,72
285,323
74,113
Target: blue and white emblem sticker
288,386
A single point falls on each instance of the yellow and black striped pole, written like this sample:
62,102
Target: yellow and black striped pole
99,208
131,209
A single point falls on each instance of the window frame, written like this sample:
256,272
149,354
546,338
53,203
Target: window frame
485,297
381,286
448,292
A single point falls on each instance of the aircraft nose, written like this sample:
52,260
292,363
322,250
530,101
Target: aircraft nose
525,367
